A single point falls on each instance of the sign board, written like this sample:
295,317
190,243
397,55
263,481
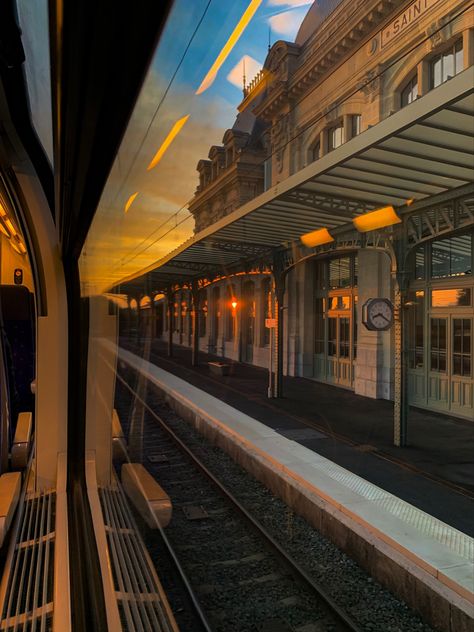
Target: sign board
270,322
405,19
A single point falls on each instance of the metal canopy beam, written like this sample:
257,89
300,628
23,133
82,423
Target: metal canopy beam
415,153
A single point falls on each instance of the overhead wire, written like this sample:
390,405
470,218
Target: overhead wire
133,255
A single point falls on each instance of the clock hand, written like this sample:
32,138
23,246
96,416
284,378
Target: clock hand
380,314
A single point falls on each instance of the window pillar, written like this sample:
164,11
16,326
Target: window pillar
468,47
347,128
423,76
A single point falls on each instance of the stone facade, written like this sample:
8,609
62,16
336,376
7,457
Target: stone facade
352,65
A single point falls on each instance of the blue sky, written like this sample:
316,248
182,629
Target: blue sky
123,242
217,25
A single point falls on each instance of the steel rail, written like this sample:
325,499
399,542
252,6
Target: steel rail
298,572
194,601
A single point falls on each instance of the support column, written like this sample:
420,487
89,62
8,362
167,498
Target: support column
400,404
169,299
279,278
195,324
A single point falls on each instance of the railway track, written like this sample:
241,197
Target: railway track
238,576
367,604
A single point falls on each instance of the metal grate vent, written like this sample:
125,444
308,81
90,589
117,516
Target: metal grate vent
28,600
140,602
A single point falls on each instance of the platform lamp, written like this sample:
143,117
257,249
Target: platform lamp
373,220
317,238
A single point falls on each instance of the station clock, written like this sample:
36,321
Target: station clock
377,314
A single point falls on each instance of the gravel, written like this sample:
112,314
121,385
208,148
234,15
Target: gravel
364,599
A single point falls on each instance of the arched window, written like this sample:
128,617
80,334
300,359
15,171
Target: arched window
356,125
410,91
447,64
335,136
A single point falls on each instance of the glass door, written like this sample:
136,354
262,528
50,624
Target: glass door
462,387
450,380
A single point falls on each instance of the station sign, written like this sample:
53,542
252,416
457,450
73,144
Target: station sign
405,19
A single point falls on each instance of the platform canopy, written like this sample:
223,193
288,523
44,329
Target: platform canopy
423,150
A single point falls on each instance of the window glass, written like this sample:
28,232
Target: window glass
344,337
462,346
438,344
451,257
410,92
335,136
340,272
420,262
447,64
356,122
452,297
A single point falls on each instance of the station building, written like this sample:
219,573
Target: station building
369,108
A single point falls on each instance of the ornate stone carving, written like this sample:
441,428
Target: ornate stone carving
436,34
371,84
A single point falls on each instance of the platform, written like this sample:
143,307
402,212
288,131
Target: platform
403,546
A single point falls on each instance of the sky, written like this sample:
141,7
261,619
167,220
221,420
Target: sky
143,215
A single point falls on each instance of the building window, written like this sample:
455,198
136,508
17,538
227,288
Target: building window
446,65
335,136
462,346
340,272
451,257
356,125
438,345
410,91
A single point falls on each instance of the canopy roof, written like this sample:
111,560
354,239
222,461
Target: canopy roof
424,149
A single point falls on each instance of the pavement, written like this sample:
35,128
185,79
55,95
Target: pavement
434,472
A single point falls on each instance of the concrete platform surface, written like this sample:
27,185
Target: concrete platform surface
435,472
441,556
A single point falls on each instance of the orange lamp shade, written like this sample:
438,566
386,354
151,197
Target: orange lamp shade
376,219
317,238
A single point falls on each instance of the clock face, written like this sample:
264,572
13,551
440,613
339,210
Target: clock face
379,314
